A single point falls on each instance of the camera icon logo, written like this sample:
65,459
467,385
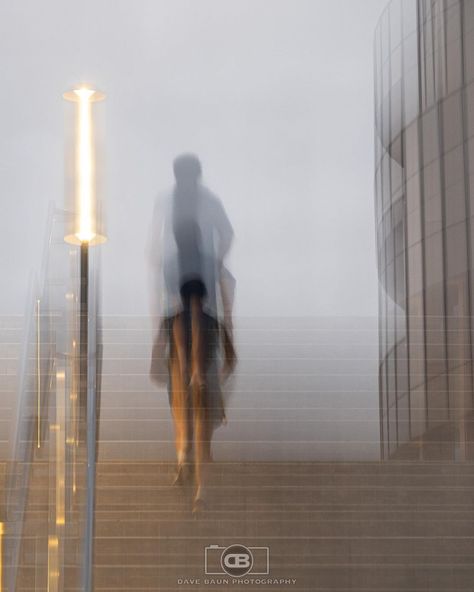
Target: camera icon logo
236,560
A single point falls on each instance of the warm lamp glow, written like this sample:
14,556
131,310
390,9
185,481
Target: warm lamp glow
85,167
85,199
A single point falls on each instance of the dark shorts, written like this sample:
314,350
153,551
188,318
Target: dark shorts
192,287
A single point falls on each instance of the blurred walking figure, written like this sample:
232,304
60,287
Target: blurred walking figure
193,297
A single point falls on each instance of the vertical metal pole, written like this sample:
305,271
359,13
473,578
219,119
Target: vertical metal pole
87,403
85,229
83,329
38,373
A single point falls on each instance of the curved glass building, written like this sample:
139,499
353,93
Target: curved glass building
424,179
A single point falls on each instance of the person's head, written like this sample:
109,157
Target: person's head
187,170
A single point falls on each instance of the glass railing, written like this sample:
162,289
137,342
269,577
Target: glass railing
51,476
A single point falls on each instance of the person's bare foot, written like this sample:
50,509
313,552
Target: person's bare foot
200,503
184,469
180,477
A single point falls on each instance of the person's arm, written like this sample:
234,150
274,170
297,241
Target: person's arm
227,290
225,235
227,287
224,230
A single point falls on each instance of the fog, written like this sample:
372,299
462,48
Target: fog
276,98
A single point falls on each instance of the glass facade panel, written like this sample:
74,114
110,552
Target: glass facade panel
412,150
437,396
413,210
469,53
430,136
416,329
391,376
396,169
384,37
395,19
456,257
428,200
435,336
416,351
403,420
428,81
452,122
418,412
415,275
454,65
468,17
454,167
460,391
400,282
453,22
432,199
455,203
409,17
396,72
469,96
411,94
398,219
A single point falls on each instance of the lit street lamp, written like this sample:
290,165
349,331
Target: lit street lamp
85,229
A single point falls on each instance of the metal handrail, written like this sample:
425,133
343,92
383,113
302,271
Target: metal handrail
49,334
22,448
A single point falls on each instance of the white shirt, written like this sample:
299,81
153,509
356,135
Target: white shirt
215,233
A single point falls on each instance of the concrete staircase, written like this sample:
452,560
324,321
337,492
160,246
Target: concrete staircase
330,526
296,471
358,526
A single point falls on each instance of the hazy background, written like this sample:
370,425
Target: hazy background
276,96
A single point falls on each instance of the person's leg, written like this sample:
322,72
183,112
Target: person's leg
199,392
202,441
198,421
180,396
197,342
180,344
230,357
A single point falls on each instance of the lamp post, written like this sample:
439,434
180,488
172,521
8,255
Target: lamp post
86,230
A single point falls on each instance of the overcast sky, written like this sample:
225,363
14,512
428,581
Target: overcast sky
275,96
